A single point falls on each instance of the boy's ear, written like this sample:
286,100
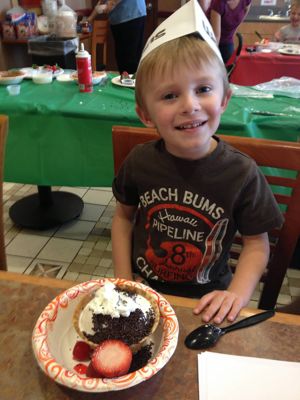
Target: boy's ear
144,117
226,99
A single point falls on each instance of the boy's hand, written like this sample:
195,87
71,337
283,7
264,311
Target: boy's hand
219,304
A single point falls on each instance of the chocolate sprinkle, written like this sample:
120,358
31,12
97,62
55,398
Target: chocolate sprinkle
141,358
129,329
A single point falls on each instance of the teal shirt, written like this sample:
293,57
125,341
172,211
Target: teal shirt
127,10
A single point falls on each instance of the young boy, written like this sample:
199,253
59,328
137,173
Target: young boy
291,33
181,199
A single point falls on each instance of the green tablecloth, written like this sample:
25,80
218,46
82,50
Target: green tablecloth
277,118
58,136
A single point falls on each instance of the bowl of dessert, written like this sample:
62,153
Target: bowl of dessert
12,77
105,335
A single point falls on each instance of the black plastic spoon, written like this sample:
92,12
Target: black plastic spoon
207,335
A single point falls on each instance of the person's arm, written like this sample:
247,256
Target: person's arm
111,4
247,8
215,21
251,264
103,7
94,14
122,226
278,36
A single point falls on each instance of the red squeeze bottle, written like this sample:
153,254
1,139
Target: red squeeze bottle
84,70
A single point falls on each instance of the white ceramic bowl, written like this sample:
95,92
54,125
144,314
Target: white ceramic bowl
54,337
11,78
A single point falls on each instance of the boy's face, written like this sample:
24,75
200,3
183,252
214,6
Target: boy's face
185,108
295,16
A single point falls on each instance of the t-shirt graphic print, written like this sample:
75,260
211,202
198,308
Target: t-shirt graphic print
182,241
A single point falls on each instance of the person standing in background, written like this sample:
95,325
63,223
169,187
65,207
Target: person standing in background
127,21
225,17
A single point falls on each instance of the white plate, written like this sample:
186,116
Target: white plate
54,337
117,81
64,78
290,50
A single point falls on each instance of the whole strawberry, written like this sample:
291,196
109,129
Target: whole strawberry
112,358
82,351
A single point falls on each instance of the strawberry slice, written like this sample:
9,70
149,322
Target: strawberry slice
82,351
112,358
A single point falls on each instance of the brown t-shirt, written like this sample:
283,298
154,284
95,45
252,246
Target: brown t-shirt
189,212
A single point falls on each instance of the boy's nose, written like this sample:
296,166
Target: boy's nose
190,104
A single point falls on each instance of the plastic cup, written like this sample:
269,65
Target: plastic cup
13,90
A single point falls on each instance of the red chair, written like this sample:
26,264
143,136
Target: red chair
266,153
234,58
3,133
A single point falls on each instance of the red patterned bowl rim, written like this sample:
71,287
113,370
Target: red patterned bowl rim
66,377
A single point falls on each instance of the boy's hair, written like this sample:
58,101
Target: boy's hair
295,3
189,50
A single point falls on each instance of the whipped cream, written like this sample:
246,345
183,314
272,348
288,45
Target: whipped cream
108,301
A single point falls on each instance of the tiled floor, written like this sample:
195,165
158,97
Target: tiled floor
81,250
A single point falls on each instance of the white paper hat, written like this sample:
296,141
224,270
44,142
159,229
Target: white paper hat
188,19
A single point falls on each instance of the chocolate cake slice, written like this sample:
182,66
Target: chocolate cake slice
124,312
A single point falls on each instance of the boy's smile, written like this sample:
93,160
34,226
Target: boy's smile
186,107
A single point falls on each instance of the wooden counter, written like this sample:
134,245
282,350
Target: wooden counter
23,298
266,29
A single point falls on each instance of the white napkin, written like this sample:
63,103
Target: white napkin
227,377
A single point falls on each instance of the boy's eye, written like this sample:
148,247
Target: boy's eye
169,96
204,89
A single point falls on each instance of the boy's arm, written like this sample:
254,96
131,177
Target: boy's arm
251,265
122,226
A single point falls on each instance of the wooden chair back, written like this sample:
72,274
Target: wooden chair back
99,37
3,133
234,58
280,157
